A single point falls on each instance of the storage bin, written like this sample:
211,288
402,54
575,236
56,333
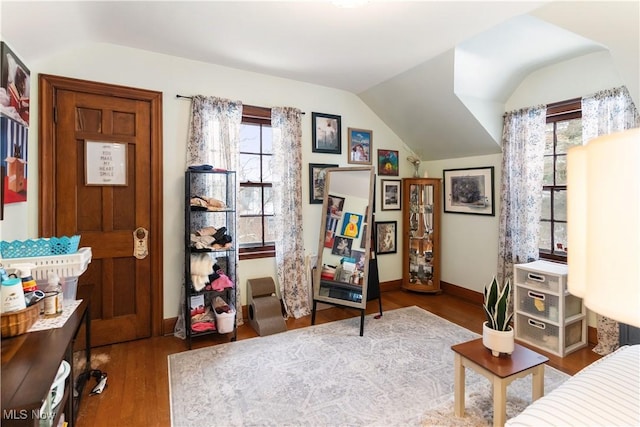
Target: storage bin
548,336
544,275
225,321
546,306
39,247
62,265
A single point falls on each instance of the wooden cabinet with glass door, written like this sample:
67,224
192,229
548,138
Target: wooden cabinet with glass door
421,234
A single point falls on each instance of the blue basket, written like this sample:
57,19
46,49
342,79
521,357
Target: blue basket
39,247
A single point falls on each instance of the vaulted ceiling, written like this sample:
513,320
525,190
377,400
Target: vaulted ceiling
438,73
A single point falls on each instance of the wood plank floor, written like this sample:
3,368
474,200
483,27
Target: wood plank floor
138,389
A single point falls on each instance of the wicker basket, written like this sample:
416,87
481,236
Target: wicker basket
19,322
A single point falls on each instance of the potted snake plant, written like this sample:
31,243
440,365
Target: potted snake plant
497,333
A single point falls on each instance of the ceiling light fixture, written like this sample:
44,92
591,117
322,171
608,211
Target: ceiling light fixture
349,4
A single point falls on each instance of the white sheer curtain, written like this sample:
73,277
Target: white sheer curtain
287,194
523,141
603,113
214,138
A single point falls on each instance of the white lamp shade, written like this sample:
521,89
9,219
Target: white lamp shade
603,215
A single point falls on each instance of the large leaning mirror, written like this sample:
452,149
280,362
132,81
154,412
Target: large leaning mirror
344,247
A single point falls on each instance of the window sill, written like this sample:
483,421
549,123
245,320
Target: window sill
255,253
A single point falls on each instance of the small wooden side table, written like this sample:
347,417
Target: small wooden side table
501,371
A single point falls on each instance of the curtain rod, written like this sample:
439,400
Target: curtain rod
191,97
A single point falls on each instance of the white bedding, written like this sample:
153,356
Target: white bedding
605,393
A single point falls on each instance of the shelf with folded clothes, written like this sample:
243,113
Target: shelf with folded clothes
210,250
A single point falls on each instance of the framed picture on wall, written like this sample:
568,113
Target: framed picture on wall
388,162
360,144
316,181
391,193
469,191
386,237
326,133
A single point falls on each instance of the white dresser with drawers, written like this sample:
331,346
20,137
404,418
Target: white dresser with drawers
546,315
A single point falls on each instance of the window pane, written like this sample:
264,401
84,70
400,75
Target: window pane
545,236
547,178
249,201
249,168
568,133
268,201
548,145
267,162
267,146
560,205
250,229
250,138
270,232
561,170
560,237
546,205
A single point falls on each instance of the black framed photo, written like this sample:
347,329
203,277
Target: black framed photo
317,175
391,194
326,133
386,237
469,191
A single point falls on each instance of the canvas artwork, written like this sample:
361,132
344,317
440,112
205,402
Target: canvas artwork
388,162
13,140
14,86
351,225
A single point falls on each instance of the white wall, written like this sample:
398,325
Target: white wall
469,242
171,75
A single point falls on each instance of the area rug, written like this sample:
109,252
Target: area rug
400,373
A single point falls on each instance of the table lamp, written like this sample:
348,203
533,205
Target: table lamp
603,225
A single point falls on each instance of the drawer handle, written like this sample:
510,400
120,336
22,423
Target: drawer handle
535,324
536,277
536,295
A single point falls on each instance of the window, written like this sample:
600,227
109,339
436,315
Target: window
255,198
564,130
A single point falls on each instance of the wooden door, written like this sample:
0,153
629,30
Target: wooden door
126,302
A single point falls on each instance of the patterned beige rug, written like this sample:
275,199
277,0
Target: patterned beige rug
400,373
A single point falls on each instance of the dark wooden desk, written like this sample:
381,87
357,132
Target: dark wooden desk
30,363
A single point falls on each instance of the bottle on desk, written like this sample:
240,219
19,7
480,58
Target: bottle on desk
53,297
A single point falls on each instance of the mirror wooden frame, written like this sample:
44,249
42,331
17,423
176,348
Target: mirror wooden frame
345,245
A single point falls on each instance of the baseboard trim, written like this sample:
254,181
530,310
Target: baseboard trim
463,293
168,325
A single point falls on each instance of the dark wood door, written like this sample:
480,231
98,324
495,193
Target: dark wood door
126,302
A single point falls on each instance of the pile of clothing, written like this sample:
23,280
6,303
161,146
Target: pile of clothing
211,238
202,203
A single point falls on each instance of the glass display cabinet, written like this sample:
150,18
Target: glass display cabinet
421,234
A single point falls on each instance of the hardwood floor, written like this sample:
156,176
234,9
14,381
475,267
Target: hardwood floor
138,389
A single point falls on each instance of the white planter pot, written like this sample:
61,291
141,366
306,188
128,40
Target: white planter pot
498,341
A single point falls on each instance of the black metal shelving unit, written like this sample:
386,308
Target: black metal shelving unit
221,186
